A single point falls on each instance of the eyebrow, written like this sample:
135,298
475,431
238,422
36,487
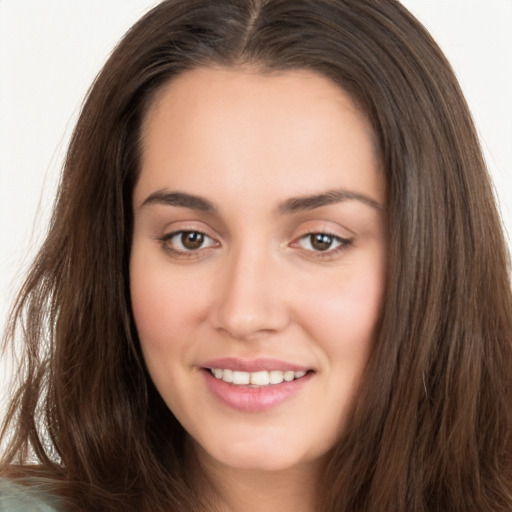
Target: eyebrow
290,206
181,199
304,203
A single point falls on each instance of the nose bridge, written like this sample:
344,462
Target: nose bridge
249,299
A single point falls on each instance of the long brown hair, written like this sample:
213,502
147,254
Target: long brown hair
430,425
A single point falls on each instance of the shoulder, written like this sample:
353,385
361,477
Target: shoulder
17,498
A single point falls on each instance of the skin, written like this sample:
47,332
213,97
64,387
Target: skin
257,286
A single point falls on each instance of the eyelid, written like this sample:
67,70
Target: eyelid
181,232
177,252
343,239
174,227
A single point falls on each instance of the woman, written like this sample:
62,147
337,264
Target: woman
275,276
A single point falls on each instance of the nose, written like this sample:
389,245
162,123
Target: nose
250,299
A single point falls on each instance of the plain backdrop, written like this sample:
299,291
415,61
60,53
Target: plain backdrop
51,50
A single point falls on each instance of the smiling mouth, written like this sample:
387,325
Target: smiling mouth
256,379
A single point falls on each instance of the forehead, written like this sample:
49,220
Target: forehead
239,127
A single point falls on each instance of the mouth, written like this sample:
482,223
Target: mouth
262,378
257,385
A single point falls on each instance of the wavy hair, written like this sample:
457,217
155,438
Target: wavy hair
431,423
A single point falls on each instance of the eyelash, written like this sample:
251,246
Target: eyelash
182,253
344,244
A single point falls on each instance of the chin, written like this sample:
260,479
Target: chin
259,455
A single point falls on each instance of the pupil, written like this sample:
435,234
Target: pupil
192,239
321,242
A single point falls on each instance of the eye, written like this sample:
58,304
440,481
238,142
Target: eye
322,242
187,241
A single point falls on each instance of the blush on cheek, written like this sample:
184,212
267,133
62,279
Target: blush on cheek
346,317
150,306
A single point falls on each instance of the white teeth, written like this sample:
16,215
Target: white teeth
241,378
275,377
261,378
227,375
289,376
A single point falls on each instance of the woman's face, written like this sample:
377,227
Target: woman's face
257,266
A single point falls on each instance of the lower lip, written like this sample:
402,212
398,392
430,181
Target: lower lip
253,399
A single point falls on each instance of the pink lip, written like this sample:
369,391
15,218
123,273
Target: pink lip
255,365
253,399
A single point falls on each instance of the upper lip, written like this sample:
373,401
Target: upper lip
253,365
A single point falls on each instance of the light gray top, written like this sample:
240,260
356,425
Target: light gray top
17,498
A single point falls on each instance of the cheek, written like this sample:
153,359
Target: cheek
150,304
162,300
154,298
360,300
161,312
343,314
168,308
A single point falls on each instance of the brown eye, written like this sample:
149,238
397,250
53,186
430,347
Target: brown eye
183,242
325,243
321,241
192,240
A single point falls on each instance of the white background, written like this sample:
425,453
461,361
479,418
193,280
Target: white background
51,50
